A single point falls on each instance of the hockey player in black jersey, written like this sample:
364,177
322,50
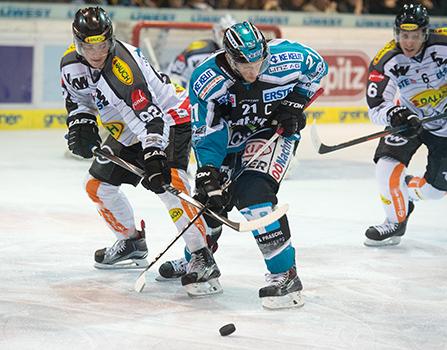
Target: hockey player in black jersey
414,65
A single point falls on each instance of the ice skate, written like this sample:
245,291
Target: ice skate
388,233
128,253
283,291
202,274
172,270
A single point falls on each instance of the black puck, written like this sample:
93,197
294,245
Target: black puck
227,329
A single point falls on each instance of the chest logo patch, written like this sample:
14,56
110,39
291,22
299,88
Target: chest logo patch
430,97
122,71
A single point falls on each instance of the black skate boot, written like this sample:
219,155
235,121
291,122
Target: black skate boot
202,274
172,270
284,290
128,253
388,233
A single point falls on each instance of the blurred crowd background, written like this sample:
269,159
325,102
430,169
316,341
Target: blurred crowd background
358,7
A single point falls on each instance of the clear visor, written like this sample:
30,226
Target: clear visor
417,36
93,50
252,68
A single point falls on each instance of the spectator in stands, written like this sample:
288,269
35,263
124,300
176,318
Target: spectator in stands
384,7
175,4
243,5
350,6
270,5
293,5
326,6
198,5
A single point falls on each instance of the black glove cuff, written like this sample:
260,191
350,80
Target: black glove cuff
397,111
81,118
154,153
294,103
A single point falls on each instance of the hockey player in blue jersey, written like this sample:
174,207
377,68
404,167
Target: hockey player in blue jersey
239,96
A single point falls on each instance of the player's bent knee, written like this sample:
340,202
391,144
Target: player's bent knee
254,189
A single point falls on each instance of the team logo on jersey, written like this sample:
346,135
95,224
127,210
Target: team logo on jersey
115,129
203,79
438,60
176,214
430,97
277,93
122,71
399,70
388,47
139,100
395,140
285,67
210,86
286,56
375,76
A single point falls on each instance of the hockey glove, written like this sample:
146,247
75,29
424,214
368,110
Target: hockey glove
399,116
208,188
157,170
290,114
82,134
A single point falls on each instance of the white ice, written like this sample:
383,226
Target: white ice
356,297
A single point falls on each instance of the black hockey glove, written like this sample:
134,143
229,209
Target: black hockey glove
290,114
208,188
157,170
399,115
82,134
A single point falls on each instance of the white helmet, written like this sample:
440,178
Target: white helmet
218,29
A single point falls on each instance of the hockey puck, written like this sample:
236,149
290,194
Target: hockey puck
227,329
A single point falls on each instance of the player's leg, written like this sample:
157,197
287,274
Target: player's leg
392,157
201,275
433,185
103,188
254,194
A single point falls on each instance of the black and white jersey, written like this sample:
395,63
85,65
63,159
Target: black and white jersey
420,81
134,101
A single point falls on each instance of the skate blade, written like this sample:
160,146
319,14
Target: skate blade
395,240
123,265
204,288
160,278
291,300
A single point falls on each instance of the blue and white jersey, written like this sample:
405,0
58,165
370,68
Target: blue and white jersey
225,111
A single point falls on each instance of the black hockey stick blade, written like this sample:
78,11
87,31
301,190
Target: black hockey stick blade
244,226
321,148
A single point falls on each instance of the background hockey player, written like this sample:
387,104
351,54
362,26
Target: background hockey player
181,68
415,65
238,96
149,124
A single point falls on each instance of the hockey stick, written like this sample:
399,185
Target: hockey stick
322,148
268,143
140,283
243,226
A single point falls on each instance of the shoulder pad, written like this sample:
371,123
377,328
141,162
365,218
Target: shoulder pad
388,51
440,31
205,81
69,56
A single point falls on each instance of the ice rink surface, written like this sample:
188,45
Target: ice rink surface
51,297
